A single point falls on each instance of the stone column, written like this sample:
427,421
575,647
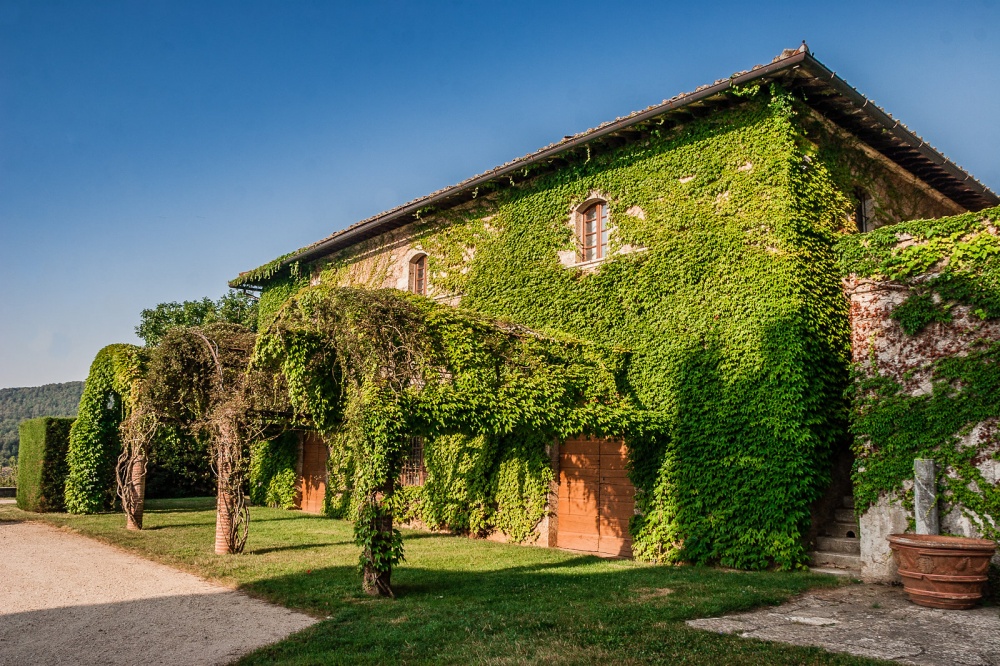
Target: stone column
925,506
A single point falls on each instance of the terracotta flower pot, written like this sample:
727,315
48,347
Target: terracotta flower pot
942,571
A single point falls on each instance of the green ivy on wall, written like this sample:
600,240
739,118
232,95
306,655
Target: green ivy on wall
277,292
273,471
372,368
94,443
943,263
731,308
893,428
724,289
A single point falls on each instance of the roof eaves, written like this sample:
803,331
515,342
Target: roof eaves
789,60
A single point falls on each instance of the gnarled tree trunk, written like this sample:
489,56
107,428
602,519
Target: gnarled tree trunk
232,517
137,490
223,515
136,433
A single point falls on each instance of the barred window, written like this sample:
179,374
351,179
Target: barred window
414,473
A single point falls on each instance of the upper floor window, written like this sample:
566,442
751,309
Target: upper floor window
418,274
864,207
592,230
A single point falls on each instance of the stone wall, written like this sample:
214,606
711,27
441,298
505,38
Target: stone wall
879,345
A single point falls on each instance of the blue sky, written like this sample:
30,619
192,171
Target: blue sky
149,151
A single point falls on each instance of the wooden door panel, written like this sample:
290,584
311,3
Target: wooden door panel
584,506
609,463
590,461
312,483
617,491
578,524
613,509
615,475
580,473
614,547
614,447
614,527
579,488
596,497
582,446
586,542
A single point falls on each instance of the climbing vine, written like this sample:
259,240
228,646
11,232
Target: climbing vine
272,473
944,266
722,285
893,428
372,368
94,442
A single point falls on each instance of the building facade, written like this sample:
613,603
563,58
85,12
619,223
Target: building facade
701,236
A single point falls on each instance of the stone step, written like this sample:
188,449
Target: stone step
839,560
845,516
849,501
833,571
841,530
838,545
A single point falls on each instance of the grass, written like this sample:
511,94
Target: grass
461,600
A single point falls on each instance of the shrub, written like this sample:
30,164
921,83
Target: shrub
42,466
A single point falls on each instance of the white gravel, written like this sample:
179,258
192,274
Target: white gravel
65,599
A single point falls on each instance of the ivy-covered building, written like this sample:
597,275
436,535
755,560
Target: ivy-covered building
701,239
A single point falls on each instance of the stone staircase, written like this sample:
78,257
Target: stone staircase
838,548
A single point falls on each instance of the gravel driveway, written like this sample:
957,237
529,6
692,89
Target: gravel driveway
65,599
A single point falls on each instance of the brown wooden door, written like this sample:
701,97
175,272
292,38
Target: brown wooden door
596,498
312,483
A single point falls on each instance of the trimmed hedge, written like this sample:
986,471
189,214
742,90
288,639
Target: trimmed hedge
94,440
42,466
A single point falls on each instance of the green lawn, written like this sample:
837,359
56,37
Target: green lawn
461,600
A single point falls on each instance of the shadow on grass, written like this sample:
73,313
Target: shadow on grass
298,546
577,610
167,526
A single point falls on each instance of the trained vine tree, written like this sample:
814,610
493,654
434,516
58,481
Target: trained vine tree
198,381
371,368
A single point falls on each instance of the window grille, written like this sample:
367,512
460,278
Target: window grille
414,473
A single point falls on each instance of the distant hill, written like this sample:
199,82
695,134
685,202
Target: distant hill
18,404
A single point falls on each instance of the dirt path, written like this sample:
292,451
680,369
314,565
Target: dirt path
65,599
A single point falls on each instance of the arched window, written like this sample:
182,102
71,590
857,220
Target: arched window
592,230
418,274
